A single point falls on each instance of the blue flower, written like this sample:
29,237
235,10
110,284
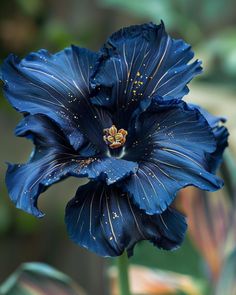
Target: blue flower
116,117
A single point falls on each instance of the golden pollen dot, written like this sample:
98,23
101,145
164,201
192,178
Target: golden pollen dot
114,138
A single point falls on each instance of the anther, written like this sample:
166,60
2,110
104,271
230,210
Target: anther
114,138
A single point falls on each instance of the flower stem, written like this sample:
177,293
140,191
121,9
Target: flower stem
123,275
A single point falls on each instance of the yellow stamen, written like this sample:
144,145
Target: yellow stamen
113,130
118,136
110,138
113,138
115,145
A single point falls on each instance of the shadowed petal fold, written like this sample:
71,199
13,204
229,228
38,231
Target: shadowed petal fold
49,163
221,135
56,85
103,219
139,62
173,145
54,159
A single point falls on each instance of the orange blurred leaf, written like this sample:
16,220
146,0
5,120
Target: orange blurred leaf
39,279
209,217
145,281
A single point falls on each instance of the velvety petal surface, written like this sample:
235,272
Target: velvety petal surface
139,62
54,159
49,163
173,144
221,135
103,219
56,85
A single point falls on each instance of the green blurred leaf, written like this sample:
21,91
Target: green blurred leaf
214,9
220,52
5,219
155,10
32,7
39,279
26,223
227,281
58,34
230,164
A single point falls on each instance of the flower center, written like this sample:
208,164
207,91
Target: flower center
114,138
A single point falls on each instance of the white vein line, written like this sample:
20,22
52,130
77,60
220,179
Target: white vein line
167,73
163,222
161,60
135,175
134,62
46,173
135,220
163,56
161,183
80,212
78,88
163,172
118,206
44,100
177,145
43,89
148,178
139,68
109,219
183,155
168,164
100,211
86,84
48,75
127,67
117,84
90,215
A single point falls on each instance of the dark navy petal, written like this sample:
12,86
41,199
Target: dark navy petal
108,169
103,220
49,163
172,145
221,135
212,120
54,159
215,159
56,85
139,62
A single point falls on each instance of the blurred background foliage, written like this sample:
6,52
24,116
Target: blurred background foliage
205,264
39,279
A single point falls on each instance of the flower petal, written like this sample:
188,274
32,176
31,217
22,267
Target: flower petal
103,220
49,163
56,85
215,159
53,160
221,135
139,62
173,145
108,169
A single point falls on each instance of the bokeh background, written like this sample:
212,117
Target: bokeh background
208,255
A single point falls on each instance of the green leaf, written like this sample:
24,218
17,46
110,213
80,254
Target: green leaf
39,279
